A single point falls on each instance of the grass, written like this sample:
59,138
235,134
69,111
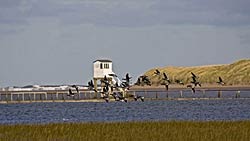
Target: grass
164,130
237,73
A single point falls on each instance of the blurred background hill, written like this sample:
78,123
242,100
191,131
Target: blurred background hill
237,73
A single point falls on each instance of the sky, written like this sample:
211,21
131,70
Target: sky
56,41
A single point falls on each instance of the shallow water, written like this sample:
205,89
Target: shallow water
153,110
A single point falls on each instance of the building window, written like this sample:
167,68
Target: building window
106,66
101,65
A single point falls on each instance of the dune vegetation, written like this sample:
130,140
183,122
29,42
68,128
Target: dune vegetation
162,130
237,73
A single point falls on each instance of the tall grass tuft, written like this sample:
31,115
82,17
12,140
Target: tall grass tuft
163,130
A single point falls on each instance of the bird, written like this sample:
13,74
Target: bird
105,80
145,80
139,97
112,88
165,77
127,78
70,93
157,72
91,86
166,85
70,90
118,97
113,75
192,87
126,83
138,82
166,81
116,86
179,82
221,82
105,93
114,95
77,89
193,75
106,98
195,82
105,89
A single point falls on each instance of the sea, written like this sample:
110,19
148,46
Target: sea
221,109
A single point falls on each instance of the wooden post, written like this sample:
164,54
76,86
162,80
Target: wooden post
23,97
18,97
34,96
74,97
111,82
95,87
11,97
219,94
46,96
78,96
63,98
237,95
52,97
6,97
40,96
29,97
181,94
204,93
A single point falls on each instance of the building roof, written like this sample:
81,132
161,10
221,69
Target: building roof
102,60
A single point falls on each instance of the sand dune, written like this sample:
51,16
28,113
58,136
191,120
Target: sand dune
237,73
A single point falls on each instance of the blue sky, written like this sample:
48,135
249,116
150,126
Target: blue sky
56,41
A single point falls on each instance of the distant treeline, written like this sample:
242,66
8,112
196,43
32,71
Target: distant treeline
237,73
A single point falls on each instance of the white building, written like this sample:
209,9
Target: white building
102,68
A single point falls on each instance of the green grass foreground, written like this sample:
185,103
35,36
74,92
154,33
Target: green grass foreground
166,130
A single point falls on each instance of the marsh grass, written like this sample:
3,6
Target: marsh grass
165,130
237,73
